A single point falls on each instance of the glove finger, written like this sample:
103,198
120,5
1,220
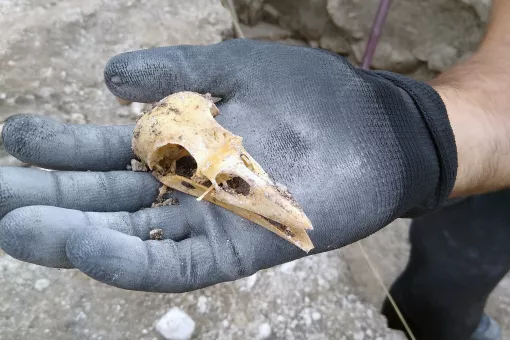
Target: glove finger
86,191
38,234
128,262
152,74
49,144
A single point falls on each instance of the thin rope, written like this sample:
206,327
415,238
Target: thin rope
380,18
231,8
386,291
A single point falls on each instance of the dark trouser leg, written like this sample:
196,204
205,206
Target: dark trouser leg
458,255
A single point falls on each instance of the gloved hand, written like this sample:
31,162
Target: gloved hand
356,148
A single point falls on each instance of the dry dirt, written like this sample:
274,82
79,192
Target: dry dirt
52,55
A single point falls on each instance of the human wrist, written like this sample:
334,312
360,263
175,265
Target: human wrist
475,94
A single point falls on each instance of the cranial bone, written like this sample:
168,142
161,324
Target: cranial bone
188,150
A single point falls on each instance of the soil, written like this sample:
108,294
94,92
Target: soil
167,202
156,234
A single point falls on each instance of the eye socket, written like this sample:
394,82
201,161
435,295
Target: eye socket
186,166
173,158
239,185
235,185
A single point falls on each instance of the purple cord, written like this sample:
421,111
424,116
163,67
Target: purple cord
382,12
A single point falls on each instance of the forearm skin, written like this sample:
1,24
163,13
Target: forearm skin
476,93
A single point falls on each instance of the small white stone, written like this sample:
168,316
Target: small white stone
313,43
316,316
264,331
41,284
11,63
145,331
45,92
138,166
225,323
250,281
175,325
359,336
306,317
288,268
3,95
77,118
202,304
137,108
46,72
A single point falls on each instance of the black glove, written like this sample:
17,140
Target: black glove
357,149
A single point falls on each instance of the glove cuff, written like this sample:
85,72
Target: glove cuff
433,111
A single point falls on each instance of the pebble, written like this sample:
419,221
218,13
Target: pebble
316,316
77,118
202,304
250,281
138,166
288,268
41,284
176,325
3,95
156,234
264,331
45,92
46,72
359,336
313,43
137,109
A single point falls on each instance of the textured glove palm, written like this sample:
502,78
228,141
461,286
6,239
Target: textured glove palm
357,149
